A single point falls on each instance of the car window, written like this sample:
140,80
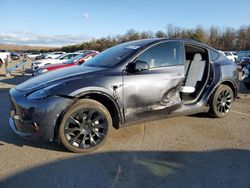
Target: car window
65,57
162,55
72,55
213,55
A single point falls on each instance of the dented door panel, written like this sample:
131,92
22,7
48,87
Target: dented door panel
153,92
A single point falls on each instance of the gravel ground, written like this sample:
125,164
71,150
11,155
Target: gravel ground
189,151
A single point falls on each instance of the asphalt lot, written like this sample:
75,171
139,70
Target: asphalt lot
190,151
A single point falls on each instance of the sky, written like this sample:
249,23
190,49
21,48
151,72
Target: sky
61,22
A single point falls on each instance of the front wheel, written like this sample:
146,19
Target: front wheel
85,126
222,101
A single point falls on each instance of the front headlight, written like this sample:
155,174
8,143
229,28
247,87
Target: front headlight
41,93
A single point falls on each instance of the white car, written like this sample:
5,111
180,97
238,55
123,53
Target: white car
86,51
231,55
4,55
54,55
33,55
61,59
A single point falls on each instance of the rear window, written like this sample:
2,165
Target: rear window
213,55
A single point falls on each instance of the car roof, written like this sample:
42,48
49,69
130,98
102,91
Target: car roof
188,41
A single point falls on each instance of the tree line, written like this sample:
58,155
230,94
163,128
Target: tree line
220,38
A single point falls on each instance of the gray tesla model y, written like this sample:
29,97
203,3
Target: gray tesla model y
128,83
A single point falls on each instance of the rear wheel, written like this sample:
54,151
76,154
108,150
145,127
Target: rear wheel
222,101
85,126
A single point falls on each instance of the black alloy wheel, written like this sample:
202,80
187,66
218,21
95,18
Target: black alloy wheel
85,126
222,101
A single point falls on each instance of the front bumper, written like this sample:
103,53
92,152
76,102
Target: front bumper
36,119
18,130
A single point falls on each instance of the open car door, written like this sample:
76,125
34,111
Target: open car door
152,81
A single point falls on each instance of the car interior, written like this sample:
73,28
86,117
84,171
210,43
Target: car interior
196,71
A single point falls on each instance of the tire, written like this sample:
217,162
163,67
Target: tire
85,126
222,101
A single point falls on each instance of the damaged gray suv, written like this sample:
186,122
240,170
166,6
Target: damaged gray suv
128,83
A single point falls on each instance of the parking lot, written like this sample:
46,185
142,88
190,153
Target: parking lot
189,151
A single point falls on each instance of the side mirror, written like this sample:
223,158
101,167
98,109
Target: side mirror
137,66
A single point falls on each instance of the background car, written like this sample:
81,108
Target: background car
129,83
231,55
86,51
54,55
42,56
4,56
78,60
14,56
39,63
32,55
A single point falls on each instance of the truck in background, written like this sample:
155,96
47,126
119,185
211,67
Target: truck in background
4,57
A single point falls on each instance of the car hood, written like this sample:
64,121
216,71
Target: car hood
44,61
60,75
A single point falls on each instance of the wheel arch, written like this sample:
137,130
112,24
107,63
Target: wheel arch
232,85
227,82
101,97
108,102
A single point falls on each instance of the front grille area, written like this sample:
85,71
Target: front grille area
21,122
12,107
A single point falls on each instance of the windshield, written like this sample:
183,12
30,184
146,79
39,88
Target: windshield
74,59
112,56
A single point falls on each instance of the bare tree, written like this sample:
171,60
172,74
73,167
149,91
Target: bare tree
214,35
226,39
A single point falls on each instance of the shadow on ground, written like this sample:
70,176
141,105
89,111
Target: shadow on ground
140,169
14,80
